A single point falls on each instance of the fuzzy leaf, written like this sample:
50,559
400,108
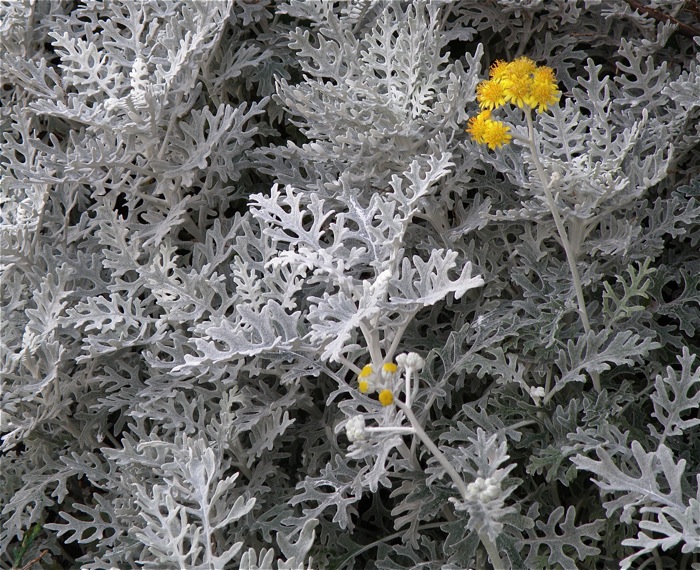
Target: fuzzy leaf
675,398
569,540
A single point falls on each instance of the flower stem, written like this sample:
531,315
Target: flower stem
489,545
570,255
420,432
492,551
563,236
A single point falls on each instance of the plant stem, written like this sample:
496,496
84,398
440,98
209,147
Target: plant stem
492,551
570,255
489,545
563,236
420,432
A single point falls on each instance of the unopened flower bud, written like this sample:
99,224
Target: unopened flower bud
483,489
410,361
355,429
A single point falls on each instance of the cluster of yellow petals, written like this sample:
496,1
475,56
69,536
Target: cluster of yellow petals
368,381
485,130
363,379
543,89
521,83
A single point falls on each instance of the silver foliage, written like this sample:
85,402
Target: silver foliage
215,214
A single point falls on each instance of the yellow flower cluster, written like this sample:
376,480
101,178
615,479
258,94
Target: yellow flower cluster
521,83
368,382
365,379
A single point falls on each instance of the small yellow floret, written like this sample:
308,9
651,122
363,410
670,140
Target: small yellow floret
517,89
523,66
543,91
499,69
389,368
544,74
386,398
366,371
363,386
496,134
476,126
490,94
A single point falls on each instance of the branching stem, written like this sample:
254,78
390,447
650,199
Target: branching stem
489,545
563,236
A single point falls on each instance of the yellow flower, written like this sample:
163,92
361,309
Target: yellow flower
543,91
367,381
545,74
521,83
366,371
498,70
517,89
386,398
523,66
476,126
490,94
496,134
389,368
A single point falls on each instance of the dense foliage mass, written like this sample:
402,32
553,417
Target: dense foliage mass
316,284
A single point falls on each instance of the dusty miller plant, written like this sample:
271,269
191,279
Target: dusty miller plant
266,304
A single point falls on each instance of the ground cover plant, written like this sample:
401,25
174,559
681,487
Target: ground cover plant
333,285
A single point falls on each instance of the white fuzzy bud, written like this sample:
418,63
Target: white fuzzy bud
483,490
414,361
537,393
355,429
410,361
475,487
491,491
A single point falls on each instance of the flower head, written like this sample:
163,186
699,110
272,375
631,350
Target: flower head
355,429
522,84
522,66
543,91
476,126
388,370
485,130
386,397
496,134
498,70
366,371
517,88
491,94
366,380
